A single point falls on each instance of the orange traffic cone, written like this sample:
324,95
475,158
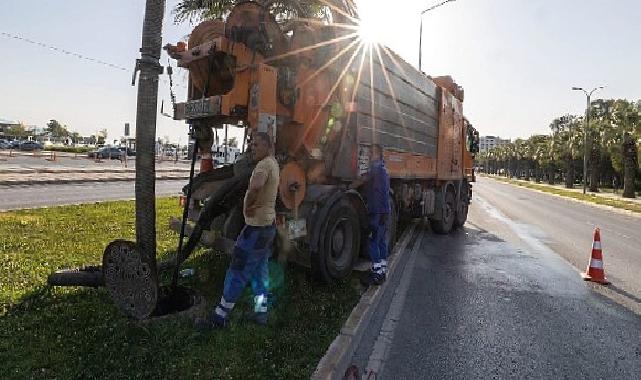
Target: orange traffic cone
595,270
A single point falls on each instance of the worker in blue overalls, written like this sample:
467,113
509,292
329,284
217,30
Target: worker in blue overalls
254,244
376,190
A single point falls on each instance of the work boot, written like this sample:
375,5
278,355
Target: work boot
260,309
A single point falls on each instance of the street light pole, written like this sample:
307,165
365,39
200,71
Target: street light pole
588,95
420,37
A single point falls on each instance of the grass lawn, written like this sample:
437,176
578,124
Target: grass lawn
616,203
70,333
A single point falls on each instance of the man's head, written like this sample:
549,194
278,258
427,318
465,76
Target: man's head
261,145
376,152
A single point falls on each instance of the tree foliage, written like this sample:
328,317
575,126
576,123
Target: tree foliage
613,138
198,10
56,129
18,130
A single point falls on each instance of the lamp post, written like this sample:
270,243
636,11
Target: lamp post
585,131
420,37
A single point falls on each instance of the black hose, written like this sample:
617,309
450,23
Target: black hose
179,258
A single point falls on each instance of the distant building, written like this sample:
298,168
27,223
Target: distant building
490,142
5,125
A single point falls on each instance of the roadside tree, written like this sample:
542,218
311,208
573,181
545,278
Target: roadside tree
56,129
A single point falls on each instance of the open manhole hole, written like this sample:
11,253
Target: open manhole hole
173,302
133,285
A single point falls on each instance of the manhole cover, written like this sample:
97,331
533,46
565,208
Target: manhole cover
130,278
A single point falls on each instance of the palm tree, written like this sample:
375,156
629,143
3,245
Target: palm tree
146,128
521,158
565,146
601,121
626,118
197,10
541,154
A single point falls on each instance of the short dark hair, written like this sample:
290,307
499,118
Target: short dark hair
265,137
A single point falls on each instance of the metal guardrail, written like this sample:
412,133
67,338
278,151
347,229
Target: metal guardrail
51,155
46,154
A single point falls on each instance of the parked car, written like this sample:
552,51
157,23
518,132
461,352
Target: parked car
30,145
130,152
4,144
15,144
105,153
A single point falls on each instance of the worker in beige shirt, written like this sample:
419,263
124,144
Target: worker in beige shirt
254,244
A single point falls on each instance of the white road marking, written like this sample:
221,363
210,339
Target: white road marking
383,343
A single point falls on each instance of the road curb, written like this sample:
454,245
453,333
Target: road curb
596,205
336,360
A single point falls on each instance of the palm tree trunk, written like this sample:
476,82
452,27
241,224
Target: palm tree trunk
569,174
551,175
146,113
595,172
629,166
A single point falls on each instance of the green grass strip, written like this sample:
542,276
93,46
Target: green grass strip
71,333
593,198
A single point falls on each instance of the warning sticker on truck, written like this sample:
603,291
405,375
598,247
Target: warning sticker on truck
363,159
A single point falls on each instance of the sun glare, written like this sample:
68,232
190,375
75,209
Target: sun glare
372,21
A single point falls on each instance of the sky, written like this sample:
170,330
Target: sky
516,59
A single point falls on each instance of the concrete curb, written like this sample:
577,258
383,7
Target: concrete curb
336,359
596,205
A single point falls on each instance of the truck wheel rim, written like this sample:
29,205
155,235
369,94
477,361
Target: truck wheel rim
340,242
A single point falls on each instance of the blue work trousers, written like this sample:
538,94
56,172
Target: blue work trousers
377,240
250,263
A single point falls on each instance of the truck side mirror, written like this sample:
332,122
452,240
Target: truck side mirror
473,139
475,143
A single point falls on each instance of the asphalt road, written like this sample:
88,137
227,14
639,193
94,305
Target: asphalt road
567,227
502,298
33,196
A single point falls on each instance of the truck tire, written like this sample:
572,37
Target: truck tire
463,206
445,224
88,276
339,243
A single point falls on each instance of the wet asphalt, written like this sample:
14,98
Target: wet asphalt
496,300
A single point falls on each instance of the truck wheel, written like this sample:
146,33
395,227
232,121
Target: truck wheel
445,224
463,206
339,243
87,276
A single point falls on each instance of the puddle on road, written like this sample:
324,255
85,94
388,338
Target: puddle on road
537,268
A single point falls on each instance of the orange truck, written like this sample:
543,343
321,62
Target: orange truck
325,97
